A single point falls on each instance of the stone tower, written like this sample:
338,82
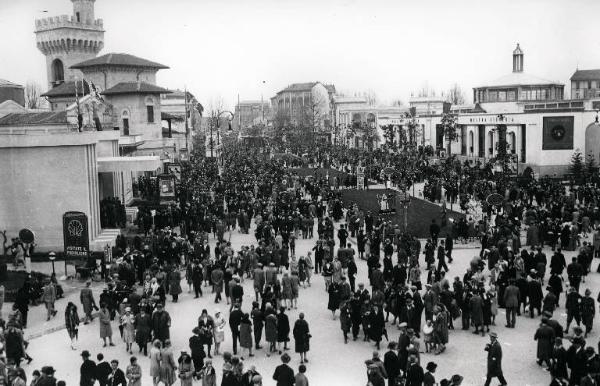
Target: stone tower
67,40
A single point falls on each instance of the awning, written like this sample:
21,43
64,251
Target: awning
128,164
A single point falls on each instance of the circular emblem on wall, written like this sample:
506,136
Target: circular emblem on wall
75,228
558,132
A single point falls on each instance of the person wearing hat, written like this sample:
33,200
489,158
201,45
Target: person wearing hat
428,378
284,375
47,377
128,323
535,294
134,373
86,296
87,371
559,359
494,360
414,372
588,310
391,364
207,374
544,336
456,380
186,369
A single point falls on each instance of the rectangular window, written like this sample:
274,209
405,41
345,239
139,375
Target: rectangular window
126,126
150,113
501,96
511,96
78,17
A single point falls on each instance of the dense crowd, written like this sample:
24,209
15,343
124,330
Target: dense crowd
407,284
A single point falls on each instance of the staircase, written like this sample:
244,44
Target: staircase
106,237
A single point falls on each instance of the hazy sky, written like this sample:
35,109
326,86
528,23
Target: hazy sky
220,48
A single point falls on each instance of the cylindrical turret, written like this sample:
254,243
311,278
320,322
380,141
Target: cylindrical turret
83,11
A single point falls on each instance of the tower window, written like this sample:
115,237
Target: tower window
150,113
78,17
58,72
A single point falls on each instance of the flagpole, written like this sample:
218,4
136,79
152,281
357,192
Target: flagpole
186,119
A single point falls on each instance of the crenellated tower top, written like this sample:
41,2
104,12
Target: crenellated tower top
69,39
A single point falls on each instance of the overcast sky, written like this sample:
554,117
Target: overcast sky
219,48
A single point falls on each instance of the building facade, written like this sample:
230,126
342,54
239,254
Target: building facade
250,113
542,129
304,104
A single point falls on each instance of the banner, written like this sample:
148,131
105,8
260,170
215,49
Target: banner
166,186
76,236
558,133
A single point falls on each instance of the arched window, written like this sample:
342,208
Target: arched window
150,109
58,72
471,139
125,120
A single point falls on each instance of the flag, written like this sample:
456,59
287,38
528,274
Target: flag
95,92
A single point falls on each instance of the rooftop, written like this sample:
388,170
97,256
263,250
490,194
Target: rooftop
295,87
135,88
67,89
586,75
6,83
520,79
28,119
122,60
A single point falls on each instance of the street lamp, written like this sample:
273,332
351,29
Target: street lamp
52,257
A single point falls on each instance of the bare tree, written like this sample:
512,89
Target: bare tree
397,103
455,95
33,90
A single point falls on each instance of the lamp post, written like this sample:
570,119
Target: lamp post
52,257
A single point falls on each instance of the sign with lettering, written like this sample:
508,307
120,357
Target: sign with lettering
76,235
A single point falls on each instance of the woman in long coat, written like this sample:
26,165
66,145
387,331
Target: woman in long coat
143,330
105,328
271,331
175,284
334,298
128,323
301,337
155,361
440,329
283,329
476,306
167,364
134,373
246,334
72,323
376,325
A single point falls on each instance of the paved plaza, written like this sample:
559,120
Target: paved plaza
330,360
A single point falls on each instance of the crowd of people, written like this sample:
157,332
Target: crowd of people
407,285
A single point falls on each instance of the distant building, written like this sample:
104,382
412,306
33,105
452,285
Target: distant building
249,113
176,108
12,92
429,105
305,104
585,84
518,86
